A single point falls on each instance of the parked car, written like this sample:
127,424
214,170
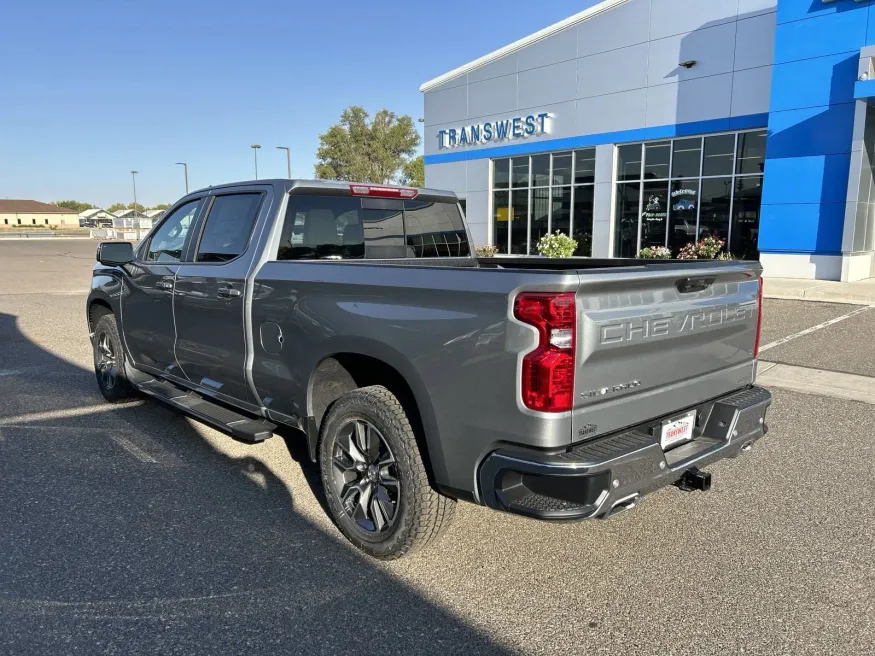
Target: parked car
419,374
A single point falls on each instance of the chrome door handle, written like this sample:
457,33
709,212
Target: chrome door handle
228,292
164,284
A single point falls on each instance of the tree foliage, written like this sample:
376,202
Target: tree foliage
358,149
115,207
161,206
413,172
75,205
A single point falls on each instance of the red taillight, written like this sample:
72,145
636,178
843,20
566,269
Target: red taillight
548,371
756,345
382,192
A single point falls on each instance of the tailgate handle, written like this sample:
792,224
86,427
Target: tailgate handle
688,285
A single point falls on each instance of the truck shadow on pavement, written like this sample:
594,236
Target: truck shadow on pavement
124,531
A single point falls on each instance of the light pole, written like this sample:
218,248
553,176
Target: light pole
255,148
288,160
134,178
183,164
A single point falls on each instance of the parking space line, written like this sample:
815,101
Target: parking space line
133,449
60,413
813,329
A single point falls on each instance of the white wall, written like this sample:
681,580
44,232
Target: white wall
33,220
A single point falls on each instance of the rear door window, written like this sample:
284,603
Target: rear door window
322,227
435,230
228,227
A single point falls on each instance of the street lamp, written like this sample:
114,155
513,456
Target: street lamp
255,148
288,160
134,178
183,164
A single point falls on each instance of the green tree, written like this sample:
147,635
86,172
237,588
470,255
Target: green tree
74,205
115,207
413,172
360,150
161,206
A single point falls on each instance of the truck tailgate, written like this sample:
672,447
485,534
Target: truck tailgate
653,341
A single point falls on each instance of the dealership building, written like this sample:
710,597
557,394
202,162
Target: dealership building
642,123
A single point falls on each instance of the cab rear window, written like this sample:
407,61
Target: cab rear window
352,228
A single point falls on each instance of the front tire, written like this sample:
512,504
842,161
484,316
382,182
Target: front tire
374,477
109,362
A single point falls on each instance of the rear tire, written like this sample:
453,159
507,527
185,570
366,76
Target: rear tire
109,362
374,477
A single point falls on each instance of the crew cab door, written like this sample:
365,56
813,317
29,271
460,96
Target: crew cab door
147,303
210,300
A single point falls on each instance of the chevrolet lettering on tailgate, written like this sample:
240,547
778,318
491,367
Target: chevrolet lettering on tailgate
636,330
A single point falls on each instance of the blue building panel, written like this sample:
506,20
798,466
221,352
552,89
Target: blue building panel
816,180
794,10
747,122
811,124
802,228
814,82
823,34
864,89
811,131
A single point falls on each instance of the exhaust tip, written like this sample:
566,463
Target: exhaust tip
622,505
746,447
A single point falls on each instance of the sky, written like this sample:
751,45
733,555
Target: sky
91,89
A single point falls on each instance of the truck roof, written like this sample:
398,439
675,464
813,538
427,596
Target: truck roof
330,186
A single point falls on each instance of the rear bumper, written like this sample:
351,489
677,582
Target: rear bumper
601,477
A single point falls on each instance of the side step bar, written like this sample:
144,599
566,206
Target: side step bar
239,426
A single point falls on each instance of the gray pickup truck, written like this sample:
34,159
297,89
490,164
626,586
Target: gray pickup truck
420,375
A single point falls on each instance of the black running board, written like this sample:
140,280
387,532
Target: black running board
237,425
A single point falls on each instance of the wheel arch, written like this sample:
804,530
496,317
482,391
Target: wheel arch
97,308
347,367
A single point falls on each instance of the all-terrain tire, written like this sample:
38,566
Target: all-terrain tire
109,362
421,513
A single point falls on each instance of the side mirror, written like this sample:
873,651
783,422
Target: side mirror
114,253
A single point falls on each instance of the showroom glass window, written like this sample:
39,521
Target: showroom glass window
673,192
536,194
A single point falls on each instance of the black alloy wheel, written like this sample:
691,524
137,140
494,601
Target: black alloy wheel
105,362
365,476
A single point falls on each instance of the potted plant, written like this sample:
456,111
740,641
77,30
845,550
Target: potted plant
557,245
706,249
655,253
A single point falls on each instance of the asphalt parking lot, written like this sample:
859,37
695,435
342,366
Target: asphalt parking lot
132,529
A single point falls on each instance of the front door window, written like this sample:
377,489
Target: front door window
168,242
